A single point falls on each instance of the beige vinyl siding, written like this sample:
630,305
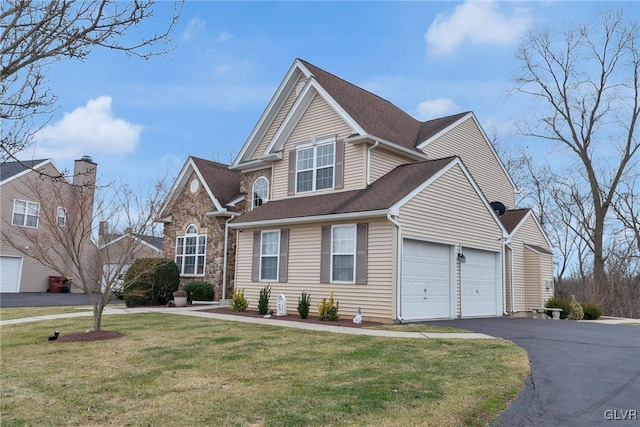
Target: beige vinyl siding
449,211
273,128
376,298
528,233
320,120
532,279
467,142
547,275
382,162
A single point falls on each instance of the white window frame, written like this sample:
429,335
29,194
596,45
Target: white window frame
352,253
270,255
264,199
315,144
181,255
61,216
27,207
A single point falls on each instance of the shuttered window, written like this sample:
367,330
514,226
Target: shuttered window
344,254
270,256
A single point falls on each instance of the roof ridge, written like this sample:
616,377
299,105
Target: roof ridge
211,161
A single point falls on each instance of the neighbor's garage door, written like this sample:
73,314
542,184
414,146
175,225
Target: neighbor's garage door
10,274
479,284
426,280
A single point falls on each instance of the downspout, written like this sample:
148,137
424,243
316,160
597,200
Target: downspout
398,267
369,161
513,301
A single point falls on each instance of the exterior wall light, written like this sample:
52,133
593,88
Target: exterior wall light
461,258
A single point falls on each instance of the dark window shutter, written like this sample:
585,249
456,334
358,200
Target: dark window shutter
339,171
291,188
362,242
284,256
255,266
325,255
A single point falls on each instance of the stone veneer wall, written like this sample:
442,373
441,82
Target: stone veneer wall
246,185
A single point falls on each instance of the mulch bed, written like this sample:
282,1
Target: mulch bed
346,321
89,336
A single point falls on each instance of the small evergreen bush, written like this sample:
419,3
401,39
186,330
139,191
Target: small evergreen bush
263,301
304,302
591,311
199,291
559,302
151,281
166,280
576,312
327,310
239,302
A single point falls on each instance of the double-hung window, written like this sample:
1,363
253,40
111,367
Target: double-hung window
191,252
343,253
269,255
25,214
315,166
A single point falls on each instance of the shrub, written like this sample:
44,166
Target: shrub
591,311
151,281
263,301
558,302
199,291
327,310
304,302
576,312
239,302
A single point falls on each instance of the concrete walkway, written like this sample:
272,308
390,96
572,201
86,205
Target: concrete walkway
196,311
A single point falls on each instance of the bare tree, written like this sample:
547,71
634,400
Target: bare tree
69,246
35,34
586,80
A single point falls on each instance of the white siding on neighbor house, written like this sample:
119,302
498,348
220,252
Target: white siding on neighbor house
376,298
449,211
467,142
320,120
273,128
382,162
528,233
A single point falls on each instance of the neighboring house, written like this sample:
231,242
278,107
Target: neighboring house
23,209
341,191
117,251
205,196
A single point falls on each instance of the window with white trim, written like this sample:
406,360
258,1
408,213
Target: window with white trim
343,253
61,216
25,214
260,192
269,255
315,167
191,252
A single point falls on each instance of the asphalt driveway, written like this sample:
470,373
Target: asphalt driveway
46,299
582,374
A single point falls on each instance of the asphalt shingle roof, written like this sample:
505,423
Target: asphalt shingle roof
511,218
9,169
222,181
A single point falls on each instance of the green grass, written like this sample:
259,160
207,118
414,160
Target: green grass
178,370
8,313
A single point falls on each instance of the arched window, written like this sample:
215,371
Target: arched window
260,192
191,252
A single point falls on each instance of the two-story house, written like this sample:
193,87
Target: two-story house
35,207
341,191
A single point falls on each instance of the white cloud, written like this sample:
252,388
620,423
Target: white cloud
477,22
91,129
435,108
194,26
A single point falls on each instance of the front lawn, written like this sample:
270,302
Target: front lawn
178,370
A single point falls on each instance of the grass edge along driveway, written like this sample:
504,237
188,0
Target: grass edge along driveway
175,370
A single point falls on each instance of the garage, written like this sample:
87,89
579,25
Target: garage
10,269
480,283
426,280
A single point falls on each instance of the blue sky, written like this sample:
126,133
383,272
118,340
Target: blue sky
139,119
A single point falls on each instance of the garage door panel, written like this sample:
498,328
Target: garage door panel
426,280
479,283
10,269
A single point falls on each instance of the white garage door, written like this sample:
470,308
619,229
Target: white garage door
10,268
426,280
479,284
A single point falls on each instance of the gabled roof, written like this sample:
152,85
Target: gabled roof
539,249
376,199
13,170
512,218
152,242
221,184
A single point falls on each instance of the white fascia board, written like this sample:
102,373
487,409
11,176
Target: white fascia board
395,209
536,222
209,192
310,219
269,114
237,200
358,139
31,169
223,213
177,185
428,141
